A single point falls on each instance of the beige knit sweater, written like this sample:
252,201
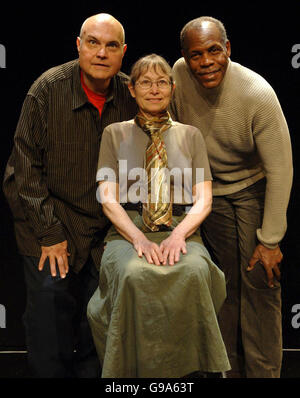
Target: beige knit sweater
246,135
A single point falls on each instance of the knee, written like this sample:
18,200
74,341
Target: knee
133,270
93,307
198,261
201,265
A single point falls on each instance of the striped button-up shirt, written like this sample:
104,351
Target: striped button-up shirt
50,179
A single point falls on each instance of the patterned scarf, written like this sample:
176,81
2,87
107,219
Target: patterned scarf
155,211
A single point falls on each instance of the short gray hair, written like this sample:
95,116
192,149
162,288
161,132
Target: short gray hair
145,63
197,24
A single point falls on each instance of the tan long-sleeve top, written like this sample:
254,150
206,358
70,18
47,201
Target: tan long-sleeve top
246,135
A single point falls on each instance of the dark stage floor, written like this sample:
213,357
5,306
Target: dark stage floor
14,365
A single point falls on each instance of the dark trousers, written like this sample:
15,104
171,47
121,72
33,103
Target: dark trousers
250,319
58,337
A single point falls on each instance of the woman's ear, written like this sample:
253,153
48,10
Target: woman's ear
131,89
173,87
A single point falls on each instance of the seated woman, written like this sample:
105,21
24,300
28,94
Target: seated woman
155,311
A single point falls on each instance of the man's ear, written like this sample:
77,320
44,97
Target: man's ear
228,48
185,56
78,40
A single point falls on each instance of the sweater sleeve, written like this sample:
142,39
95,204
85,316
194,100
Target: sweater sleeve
273,144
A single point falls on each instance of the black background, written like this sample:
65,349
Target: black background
37,37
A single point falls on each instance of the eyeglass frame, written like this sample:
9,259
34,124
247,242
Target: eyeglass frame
169,82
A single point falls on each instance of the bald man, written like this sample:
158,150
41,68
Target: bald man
50,185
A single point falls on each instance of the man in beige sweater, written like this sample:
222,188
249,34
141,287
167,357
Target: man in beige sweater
250,155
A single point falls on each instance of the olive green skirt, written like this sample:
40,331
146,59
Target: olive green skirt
153,321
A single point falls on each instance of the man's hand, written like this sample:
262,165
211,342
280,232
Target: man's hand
172,247
58,254
269,259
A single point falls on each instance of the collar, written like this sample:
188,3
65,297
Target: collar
79,97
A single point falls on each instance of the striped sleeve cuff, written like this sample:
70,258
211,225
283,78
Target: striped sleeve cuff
53,235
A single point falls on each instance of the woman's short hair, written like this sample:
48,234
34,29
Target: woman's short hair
147,62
